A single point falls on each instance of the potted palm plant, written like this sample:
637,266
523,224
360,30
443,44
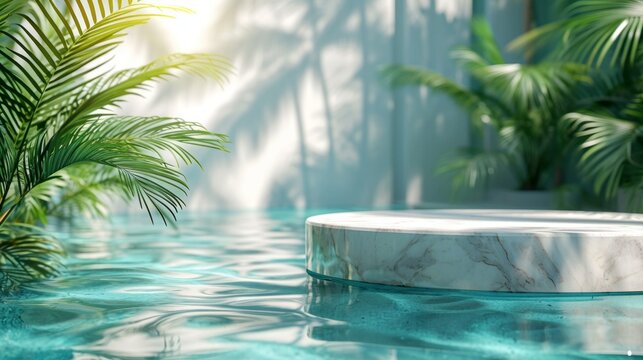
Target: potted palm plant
63,146
607,36
521,103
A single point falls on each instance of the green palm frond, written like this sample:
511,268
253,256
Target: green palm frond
607,146
88,189
84,189
65,152
108,91
523,103
485,43
595,31
483,53
27,253
33,207
604,29
608,87
9,8
44,70
40,70
472,168
134,146
634,108
398,75
59,99
9,154
516,138
545,86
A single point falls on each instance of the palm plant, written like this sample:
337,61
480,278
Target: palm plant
606,35
521,102
64,150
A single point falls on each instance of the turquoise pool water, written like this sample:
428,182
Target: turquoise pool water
233,285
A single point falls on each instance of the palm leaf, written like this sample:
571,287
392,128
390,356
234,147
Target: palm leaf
485,43
87,190
594,32
56,96
9,8
83,189
44,71
543,87
63,148
398,75
522,102
26,253
606,146
33,207
109,91
39,69
472,168
134,146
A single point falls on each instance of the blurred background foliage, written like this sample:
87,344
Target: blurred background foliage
568,121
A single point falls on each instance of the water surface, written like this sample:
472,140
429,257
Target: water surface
233,285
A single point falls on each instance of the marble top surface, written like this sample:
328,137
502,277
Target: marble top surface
485,221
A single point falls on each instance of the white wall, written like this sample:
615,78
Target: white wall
310,122
430,126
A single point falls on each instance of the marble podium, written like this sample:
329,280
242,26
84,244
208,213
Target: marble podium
480,250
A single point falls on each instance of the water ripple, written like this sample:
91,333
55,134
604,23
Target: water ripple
233,285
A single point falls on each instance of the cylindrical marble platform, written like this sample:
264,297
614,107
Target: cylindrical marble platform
482,250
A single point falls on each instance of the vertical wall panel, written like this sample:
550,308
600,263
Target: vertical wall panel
432,126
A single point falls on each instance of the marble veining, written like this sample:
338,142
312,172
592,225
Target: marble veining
485,250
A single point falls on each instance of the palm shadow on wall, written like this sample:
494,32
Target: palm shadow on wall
342,172
336,146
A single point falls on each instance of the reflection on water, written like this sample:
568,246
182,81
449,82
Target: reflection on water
498,325
233,285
